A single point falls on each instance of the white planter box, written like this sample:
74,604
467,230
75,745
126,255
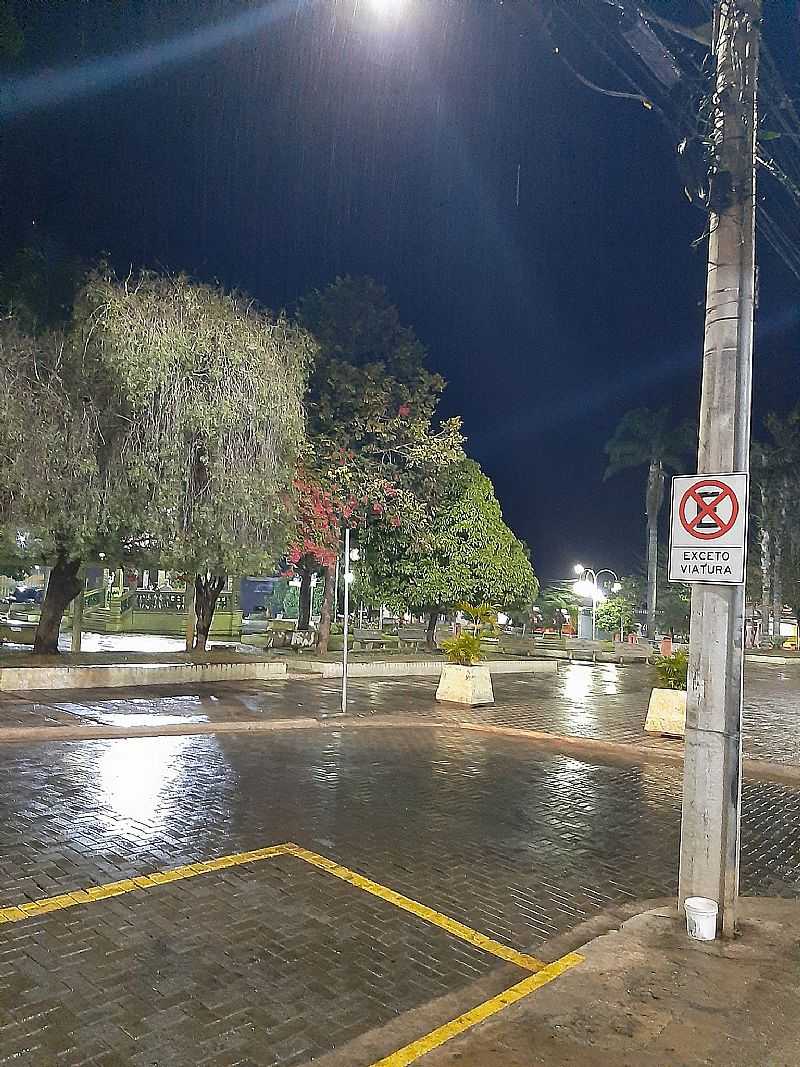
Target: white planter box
466,685
666,712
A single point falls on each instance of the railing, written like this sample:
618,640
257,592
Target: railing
94,598
174,600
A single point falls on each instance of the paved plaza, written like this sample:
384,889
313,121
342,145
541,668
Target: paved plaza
600,703
441,861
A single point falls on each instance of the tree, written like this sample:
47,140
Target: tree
650,437
557,604
215,387
461,551
375,450
776,507
63,424
615,614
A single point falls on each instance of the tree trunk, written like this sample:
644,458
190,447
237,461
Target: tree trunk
62,588
655,497
766,574
652,574
777,584
304,608
326,610
207,588
430,636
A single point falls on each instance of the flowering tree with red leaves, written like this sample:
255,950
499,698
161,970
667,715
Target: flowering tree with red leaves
376,449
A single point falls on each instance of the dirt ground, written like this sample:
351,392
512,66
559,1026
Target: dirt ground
646,996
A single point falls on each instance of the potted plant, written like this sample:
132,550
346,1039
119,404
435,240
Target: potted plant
666,712
464,679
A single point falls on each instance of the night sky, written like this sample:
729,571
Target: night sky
335,140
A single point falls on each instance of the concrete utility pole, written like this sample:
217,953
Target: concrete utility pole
709,864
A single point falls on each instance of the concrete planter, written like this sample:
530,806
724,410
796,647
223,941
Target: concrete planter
465,685
666,712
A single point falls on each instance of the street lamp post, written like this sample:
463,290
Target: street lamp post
591,589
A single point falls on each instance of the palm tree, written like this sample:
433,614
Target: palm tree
650,437
776,470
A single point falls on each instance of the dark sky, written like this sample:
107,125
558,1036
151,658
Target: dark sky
336,141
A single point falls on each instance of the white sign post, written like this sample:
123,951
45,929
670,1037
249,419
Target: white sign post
708,529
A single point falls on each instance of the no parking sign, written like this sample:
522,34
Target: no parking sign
708,529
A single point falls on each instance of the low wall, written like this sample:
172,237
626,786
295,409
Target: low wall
21,679
398,668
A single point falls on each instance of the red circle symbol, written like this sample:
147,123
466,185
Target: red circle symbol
713,500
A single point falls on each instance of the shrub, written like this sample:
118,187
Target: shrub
464,649
672,670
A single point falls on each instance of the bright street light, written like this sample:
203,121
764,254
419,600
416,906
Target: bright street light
388,9
587,587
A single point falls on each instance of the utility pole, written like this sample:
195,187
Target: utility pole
710,825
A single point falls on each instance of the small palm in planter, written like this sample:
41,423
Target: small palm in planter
464,679
666,713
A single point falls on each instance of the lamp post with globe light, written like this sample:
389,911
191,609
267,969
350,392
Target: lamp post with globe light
588,587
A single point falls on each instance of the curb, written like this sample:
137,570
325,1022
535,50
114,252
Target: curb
564,743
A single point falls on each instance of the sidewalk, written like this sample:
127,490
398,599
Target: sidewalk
647,996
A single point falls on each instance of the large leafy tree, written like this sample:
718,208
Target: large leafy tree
376,450
460,551
652,439
215,387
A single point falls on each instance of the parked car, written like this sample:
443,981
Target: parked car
25,594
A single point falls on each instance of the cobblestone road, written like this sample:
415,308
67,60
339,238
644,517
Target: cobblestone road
274,963
600,702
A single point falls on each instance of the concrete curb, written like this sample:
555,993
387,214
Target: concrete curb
586,746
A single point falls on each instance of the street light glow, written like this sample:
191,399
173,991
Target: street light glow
579,568
388,9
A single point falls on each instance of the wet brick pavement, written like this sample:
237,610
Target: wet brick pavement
603,702
516,843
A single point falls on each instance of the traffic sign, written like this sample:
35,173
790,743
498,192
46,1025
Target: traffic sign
708,529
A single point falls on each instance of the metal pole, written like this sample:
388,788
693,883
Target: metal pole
594,613
710,823
77,616
346,615
336,594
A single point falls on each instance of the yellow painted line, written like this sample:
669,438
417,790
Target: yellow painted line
28,910
444,922
411,1053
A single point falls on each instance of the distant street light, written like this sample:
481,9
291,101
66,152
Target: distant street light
592,591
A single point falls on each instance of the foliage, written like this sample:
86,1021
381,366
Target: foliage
215,387
614,610
482,616
673,598
645,437
464,649
672,670
62,423
558,604
460,551
375,452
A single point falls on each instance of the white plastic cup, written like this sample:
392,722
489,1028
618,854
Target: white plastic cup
701,918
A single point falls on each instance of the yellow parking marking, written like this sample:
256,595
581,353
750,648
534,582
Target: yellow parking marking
16,913
452,926
411,1053
542,972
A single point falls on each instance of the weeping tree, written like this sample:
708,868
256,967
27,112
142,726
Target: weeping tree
215,387
63,425
651,438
